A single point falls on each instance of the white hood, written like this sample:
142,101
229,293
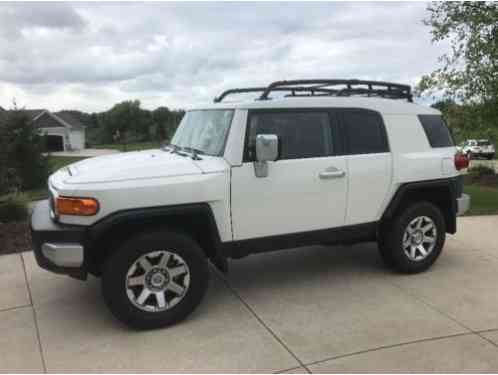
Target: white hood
130,166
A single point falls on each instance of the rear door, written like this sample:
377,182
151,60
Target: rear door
369,163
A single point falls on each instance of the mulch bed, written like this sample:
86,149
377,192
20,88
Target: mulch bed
14,237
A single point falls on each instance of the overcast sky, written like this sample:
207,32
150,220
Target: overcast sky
90,56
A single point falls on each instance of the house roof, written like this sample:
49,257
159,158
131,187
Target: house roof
69,118
43,118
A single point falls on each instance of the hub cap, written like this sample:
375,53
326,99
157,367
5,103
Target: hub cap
157,281
419,238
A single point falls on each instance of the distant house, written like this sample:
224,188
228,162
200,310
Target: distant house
64,131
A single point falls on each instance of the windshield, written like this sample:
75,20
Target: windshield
204,131
483,143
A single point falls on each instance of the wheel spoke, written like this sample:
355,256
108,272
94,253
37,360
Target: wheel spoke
426,228
145,264
413,251
161,300
422,250
428,239
136,281
143,296
163,263
175,288
419,223
173,272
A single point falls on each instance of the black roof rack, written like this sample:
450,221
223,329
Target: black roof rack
328,87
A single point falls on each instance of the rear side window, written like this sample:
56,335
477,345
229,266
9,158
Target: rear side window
436,130
301,134
365,132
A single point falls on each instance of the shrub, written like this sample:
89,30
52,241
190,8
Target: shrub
22,165
13,208
481,170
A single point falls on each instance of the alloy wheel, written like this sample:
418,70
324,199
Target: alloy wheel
419,238
157,281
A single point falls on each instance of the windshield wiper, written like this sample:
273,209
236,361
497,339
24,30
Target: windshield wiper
195,152
174,149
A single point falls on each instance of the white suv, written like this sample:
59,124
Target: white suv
478,148
308,162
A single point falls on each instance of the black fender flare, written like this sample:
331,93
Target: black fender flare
161,215
452,185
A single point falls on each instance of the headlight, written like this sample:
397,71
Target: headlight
77,206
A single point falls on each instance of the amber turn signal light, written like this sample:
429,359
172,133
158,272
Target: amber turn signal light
77,206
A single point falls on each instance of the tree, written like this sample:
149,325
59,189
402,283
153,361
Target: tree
470,69
22,164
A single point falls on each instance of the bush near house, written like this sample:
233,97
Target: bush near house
22,165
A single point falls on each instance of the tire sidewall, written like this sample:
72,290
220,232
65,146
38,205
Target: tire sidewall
117,266
400,259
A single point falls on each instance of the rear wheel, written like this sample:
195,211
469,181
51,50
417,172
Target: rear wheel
491,157
155,279
414,239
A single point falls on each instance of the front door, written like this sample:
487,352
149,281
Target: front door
305,189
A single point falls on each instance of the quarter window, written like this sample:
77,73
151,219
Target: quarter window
365,133
436,130
301,134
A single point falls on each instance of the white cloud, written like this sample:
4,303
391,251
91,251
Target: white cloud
89,56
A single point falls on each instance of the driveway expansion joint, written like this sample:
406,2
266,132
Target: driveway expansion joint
260,320
40,346
389,347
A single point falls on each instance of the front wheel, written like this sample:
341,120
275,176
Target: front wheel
414,239
155,279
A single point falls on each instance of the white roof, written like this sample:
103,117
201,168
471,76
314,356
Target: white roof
387,106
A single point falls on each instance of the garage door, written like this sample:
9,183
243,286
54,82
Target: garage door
55,143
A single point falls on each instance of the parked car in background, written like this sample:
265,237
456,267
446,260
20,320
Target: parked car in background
475,148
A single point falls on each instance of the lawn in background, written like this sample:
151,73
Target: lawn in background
483,199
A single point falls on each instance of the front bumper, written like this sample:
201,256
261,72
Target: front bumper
58,248
463,204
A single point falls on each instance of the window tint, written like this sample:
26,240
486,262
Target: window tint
436,130
301,134
365,132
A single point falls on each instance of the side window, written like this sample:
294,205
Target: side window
301,135
364,132
436,130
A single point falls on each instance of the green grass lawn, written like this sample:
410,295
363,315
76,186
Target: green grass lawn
130,146
483,199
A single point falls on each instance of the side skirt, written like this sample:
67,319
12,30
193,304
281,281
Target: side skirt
333,236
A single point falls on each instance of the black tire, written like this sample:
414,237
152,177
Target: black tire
491,157
391,238
114,278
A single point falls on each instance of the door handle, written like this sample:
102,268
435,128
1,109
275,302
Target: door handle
332,173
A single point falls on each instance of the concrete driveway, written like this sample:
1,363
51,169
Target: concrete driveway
311,309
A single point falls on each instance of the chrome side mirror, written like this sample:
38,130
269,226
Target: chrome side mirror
266,150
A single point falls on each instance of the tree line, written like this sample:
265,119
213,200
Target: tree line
127,122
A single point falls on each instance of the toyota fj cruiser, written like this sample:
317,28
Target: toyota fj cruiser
308,162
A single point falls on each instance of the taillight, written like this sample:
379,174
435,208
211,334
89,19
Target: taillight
461,161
